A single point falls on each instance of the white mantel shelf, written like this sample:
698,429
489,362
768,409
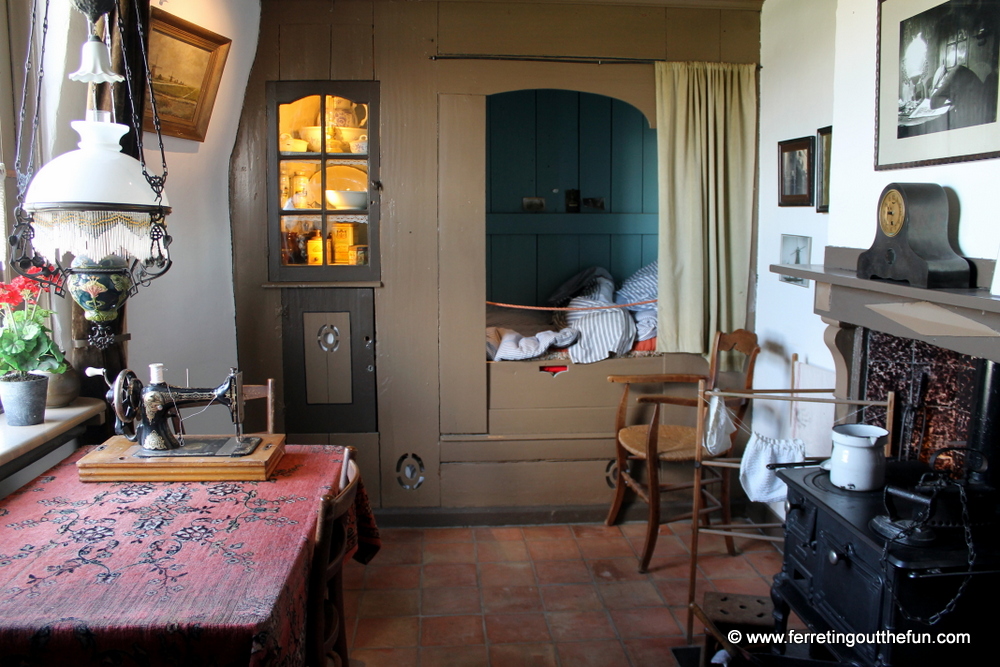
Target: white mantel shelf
17,441
965,320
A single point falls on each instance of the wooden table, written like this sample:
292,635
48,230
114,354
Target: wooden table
166,573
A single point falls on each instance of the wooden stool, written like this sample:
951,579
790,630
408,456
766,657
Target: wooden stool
732,611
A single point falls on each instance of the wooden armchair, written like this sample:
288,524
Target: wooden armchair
661,442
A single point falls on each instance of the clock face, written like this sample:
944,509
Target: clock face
891,213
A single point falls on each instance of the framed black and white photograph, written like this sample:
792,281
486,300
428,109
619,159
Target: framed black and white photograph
937,92
795,172
824,138
795,250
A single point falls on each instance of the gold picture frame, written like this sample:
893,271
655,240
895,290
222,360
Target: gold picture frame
185,64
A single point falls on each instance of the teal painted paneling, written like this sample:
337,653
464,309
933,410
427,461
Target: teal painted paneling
650,189
595,148
649,248
572,223
512,150
546,140
557,155
514,269
558,260
595,250
626,158
626,256
489,267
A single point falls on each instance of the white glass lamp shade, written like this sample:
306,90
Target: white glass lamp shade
93,201
95,64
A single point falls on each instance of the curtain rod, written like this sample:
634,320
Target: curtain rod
588,60
580,60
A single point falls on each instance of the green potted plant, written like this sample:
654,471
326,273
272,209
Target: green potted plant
26,346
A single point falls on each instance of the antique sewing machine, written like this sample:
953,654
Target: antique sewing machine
151,417
151,444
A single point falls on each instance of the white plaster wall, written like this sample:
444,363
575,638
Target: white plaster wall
796,99
187,318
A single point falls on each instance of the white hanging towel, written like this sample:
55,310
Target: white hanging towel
718,427
762,485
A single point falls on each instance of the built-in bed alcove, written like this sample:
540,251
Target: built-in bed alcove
549,422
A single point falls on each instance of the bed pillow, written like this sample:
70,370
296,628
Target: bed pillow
640,286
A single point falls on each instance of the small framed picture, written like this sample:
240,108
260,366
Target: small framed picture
795,172
795,250
824,138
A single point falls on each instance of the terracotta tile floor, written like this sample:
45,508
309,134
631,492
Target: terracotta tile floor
565,595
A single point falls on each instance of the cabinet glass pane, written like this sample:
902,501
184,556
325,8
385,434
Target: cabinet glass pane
301,240
299,129
346,126
347,242
299,184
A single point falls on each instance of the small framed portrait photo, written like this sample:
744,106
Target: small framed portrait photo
795,171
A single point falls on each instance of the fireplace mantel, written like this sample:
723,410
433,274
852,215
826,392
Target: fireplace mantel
964,320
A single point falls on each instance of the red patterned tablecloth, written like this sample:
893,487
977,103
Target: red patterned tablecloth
166,573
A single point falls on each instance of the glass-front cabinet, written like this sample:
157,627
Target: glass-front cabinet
323,182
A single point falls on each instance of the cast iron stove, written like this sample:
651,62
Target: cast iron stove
841,575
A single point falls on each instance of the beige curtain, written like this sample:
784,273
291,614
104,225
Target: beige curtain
706,118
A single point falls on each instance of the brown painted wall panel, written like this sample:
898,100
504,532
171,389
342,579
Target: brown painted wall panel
523,384
630,83
528,450
304,51
462,276
353,27
524,484
517,28
740,37
405,310
693,34
541,483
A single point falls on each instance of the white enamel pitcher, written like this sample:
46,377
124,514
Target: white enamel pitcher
858,459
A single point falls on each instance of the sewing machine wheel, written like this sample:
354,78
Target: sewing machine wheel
127,394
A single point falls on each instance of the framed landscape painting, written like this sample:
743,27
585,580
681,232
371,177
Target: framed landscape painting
937,92
185,66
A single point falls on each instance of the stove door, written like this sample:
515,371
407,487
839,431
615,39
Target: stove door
846,587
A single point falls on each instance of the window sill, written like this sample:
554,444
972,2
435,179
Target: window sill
20,446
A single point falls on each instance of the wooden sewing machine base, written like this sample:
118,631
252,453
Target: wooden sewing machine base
115,461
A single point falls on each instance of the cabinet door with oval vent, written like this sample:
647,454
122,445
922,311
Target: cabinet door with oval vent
329,360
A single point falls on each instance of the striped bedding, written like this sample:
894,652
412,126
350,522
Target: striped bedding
588,336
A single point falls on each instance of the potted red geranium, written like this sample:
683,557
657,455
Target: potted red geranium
26,345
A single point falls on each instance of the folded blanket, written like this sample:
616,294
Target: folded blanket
507,344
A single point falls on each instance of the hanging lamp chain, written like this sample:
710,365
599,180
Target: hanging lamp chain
157,183
24,176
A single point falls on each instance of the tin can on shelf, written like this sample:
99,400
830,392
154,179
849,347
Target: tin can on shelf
314,247
358,255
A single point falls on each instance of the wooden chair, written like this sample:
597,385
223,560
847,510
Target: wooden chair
326,634
659,442
256,391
